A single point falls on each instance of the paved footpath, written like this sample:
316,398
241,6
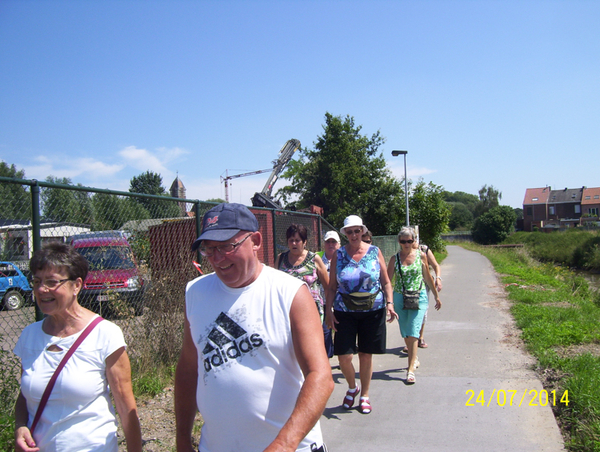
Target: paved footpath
473,346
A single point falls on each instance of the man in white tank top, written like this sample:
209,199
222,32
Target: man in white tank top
253,352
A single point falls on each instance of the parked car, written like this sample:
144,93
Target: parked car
98,234
114,284
15,290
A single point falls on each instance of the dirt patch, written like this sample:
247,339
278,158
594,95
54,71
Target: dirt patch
560,304
511,335
579,349
157,419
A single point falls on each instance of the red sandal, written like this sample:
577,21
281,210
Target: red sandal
365,405
350,397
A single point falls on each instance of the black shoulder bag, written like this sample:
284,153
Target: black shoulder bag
410,297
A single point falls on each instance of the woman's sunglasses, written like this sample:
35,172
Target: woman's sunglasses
406,241
353,231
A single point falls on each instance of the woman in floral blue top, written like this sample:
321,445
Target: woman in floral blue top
359,298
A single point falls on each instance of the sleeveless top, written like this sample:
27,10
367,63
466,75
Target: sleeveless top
412,275
362,276
248,374
307,272
326,261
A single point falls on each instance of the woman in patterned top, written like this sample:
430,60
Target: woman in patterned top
304,264
359,299
410,269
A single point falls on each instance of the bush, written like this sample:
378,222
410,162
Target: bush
9,390
155,347
587,254
494,226
571,248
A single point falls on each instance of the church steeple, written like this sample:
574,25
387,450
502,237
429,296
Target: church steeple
178,191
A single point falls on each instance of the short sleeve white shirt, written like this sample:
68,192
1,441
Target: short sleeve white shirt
79,415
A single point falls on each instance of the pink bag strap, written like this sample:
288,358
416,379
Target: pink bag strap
62,363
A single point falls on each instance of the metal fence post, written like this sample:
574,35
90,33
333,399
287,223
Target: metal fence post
198,226
274,235
35,230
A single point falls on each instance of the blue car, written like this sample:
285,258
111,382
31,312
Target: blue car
15,290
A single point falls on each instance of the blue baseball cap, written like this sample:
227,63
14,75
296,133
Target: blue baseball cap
224,221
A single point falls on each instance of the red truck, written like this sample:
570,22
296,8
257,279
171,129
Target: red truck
114,285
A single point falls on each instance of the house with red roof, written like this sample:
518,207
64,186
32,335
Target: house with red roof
590,205
535,208
547,209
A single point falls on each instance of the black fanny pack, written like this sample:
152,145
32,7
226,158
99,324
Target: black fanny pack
359,303
410,297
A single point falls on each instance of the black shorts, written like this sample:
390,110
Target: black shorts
370,328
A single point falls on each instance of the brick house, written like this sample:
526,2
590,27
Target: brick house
564,208
535,208
590,205
548,209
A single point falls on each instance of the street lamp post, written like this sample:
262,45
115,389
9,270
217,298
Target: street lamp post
396,154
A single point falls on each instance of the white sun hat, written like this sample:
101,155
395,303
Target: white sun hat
352,221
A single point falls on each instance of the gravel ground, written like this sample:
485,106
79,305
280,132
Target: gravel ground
157,418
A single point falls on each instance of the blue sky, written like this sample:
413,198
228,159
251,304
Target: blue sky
479,92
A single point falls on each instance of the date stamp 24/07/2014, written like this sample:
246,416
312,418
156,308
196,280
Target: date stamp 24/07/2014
502,397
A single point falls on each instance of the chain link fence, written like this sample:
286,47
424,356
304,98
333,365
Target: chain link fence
139,250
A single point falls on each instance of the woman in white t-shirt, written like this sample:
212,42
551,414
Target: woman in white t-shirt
79,414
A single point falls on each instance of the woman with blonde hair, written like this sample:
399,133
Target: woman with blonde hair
408,270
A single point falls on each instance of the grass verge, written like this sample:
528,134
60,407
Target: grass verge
559,317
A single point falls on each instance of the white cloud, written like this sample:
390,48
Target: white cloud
82,168
170,154
94,168
143,160
114,171
413,172
419,171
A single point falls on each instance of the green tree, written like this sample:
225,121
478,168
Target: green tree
519,213
460,216
430,212
15,200
113,211
108,209
469,200
150,183
64,204
489,197
494,226
346,174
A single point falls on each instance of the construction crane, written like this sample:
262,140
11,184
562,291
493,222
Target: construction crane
263,199
227,178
